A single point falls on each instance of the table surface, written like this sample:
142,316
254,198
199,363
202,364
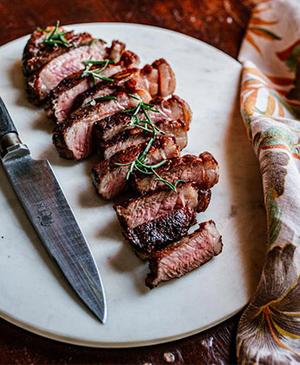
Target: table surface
220,23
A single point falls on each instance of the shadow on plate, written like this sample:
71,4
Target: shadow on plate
18,82
246,191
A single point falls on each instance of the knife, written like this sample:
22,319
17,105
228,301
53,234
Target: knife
51,216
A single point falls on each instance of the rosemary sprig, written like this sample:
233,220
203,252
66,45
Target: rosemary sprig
95,73
101,98
57,38
99,63
136,121
143,168
147,125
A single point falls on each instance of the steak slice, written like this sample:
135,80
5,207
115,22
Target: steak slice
185,255
202,170
62,98
140,210
115,51
110,179
36,53
168,216
73,137
91,95
173,108
52,73
136,136
158,233
158,79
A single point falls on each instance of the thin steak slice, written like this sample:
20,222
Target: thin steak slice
73,137
110,179
52,73
36,53
136,136
63,97
91,95
167,216
202,170
173,108
185,255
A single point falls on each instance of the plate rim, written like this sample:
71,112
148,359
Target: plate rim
111,345
132,344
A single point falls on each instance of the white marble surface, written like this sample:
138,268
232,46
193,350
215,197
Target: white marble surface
33,294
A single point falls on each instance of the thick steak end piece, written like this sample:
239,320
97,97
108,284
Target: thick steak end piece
185,255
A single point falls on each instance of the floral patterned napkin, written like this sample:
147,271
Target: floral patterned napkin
269,329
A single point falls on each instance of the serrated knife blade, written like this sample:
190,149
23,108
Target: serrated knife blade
51,216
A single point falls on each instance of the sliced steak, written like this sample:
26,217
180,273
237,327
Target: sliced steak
110,179
52,73
136,136
140,210
73,138
154,80
63,97
202,170
185,255
173,108
36,53
158,233
168,216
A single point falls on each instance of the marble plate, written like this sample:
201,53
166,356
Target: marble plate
33,294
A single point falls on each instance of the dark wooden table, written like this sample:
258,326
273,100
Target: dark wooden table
219,22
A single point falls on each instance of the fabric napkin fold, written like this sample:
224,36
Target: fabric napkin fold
269,329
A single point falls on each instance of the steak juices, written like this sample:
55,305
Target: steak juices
102,102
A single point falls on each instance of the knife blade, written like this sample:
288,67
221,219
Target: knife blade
44,202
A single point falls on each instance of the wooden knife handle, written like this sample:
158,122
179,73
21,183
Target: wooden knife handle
6,123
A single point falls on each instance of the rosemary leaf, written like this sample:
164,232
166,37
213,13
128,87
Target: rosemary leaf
135,97
166,182
96,72
100,63
56,38
102,98
123,164
159,164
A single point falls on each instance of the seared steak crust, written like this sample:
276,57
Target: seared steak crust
203,200
158,79
158,233
185,255
73,138
116,50
110,179
202,170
